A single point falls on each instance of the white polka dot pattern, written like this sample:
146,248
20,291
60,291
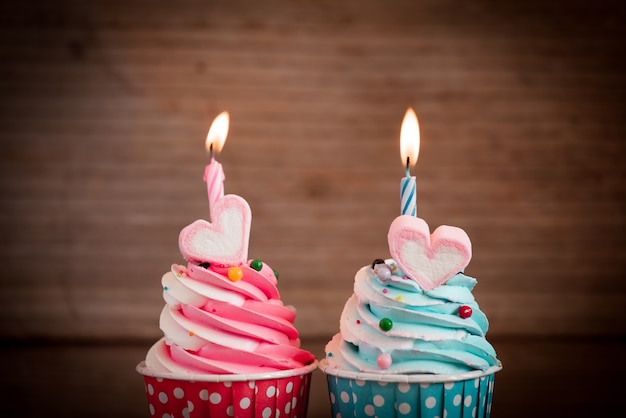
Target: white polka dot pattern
284,397
215,398
460,399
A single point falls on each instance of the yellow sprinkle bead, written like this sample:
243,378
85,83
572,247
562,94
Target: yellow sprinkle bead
235,274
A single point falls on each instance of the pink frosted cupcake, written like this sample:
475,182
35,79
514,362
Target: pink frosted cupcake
412,337
230,347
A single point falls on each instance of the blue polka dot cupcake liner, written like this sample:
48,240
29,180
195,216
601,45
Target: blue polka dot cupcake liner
464,395
276,394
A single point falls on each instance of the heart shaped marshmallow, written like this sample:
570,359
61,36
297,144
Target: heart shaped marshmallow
429,260
223,241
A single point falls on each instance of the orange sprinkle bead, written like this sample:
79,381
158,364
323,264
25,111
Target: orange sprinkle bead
235,274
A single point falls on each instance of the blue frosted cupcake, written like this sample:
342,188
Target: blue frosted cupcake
412,337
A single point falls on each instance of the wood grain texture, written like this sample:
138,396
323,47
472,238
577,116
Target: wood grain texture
105,106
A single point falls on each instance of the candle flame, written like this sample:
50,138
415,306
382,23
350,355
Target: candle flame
409,139
217,133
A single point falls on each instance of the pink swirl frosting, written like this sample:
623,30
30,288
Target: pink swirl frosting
213,325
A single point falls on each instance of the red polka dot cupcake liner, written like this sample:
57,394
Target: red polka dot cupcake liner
278,394
355,394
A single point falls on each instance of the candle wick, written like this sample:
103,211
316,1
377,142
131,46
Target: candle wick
408,164
211,151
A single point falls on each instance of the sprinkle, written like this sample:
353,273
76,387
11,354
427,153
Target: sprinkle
191,333
398,297
384,361
256,264
165,288
465,311
235,274
377,261
385,324
275,273
358,321
330,354
385,290
383,272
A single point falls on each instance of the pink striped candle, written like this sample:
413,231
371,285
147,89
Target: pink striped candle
409,151
213,172
214,177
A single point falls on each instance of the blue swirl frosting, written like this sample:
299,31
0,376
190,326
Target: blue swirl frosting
427,334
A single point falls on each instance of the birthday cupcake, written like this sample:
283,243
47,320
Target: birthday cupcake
230,348
412,337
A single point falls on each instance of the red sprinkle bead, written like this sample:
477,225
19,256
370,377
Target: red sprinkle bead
358,321
465,311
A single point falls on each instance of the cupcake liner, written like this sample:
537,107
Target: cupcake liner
464,395
278,394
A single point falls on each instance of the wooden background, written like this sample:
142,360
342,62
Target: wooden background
105,105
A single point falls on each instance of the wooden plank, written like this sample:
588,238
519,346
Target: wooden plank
105,106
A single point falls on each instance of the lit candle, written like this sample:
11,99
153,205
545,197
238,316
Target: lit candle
409,150
213,172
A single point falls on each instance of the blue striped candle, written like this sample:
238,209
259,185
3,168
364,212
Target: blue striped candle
408,200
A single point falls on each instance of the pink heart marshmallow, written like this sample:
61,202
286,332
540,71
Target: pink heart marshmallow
429,260
223,241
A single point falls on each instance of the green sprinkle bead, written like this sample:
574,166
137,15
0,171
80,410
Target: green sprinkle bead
256,264
275,273
385,324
